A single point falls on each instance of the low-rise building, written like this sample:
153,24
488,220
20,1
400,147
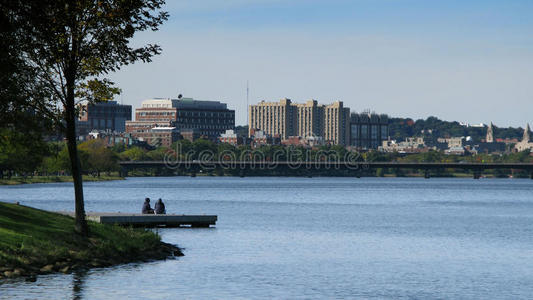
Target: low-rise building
230,137
456,150
260,138
112,138
410,145
310,141
159,136
452,142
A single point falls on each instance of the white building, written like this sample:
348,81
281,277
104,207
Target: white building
525,144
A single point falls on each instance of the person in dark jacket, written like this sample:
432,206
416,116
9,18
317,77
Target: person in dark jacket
146,207
160,207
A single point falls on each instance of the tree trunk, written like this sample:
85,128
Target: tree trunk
71,70
81,222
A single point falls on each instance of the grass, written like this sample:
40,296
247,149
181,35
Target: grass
32,239
49,179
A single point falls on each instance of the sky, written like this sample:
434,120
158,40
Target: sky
460,60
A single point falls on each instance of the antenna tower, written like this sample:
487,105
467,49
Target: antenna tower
247,99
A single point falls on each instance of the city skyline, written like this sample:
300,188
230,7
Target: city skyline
460,61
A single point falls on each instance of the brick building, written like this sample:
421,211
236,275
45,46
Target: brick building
205,118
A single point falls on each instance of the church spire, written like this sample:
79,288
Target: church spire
490,134
525,138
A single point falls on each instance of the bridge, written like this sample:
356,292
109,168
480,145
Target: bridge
194,166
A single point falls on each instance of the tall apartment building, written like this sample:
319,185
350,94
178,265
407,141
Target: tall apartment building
207,118
367,131
337,123
104,116
310,119
274,118
286,119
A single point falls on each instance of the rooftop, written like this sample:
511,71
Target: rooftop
182,103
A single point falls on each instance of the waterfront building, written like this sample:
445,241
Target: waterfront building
103,116
206,118
368,130
286,119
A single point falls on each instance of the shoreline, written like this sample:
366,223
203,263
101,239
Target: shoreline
55,179
59,179
37,242
454,175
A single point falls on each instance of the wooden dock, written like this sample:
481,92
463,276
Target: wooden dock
149,220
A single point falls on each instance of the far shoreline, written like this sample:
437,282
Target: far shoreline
86,178
18,180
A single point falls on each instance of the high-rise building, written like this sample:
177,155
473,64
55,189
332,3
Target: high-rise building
367,131
273,118
206,118
286,119
310,119
109,116
337,123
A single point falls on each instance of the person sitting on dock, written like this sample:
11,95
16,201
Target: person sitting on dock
146,207
159,207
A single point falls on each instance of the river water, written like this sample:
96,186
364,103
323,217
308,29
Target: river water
310,238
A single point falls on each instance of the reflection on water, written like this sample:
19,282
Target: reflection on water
310,238
78,278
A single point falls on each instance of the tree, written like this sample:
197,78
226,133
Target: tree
70,46
100,157
157,154
134,153
19,151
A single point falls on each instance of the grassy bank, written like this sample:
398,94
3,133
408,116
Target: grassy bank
36,242
49,179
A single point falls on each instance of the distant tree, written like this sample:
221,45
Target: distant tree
134,153
69,46
63,160
206,148
157,154
119,147
182,148
101,158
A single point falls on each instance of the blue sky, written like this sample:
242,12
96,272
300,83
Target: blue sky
458,60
